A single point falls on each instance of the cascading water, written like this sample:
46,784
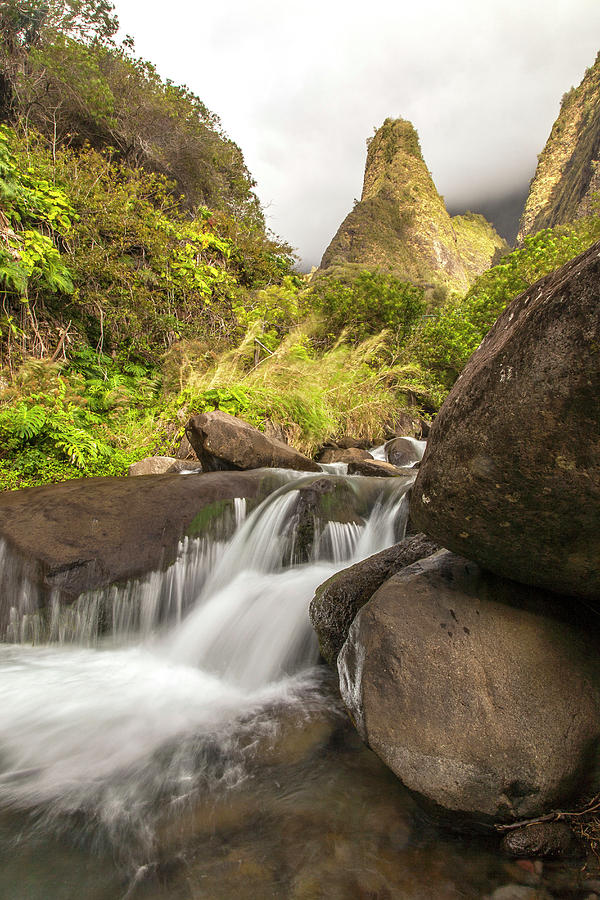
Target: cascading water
193,751
111,728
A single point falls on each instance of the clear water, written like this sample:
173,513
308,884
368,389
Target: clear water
197,750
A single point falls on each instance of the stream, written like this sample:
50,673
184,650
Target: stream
197,748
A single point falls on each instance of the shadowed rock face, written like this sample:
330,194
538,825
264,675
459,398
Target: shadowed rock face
474,690
222,441
337,600
83,534
511,474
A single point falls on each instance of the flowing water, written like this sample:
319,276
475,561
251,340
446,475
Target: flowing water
195,748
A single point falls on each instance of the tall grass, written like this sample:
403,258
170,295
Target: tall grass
312,396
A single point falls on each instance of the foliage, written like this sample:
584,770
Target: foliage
367,304
313,396
36,215
444,343
62,73
58,423
141,271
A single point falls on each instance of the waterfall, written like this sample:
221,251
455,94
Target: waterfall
169,699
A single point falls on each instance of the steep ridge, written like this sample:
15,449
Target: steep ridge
567,177
401,223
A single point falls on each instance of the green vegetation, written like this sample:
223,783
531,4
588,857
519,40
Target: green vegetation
446,341
566,182
138,284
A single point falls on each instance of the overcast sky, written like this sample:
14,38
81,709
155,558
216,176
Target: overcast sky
300,86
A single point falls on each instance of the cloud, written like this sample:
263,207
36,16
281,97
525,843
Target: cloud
300,87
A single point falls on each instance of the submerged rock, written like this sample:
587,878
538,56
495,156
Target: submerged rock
337,600
222,441
545,839
511,474
473,691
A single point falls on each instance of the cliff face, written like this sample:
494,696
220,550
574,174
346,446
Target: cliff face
401,223
567,177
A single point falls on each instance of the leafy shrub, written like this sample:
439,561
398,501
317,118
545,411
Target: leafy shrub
444,342
367,304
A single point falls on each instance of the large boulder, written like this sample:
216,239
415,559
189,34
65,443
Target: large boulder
511,474
222,441
477,692
337,600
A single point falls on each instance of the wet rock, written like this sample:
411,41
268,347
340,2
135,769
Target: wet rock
222,441
376,467
337,601
403,451
474,691
161,465
350,443
152,465
546,839
83,534
354,454
324,500
425,429
525,501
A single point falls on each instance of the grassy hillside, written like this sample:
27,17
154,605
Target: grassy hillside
126,306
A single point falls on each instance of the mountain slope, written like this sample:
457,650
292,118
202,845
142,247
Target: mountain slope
567,178
401,223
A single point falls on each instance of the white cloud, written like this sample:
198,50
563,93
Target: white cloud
300,87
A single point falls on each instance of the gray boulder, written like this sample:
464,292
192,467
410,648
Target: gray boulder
152,465
337,600
377,468
222,441
473,690
511,474
160,465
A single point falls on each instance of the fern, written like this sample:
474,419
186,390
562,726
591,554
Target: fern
29,421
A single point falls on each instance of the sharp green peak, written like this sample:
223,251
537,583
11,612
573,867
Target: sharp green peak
401,224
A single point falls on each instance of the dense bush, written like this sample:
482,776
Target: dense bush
366,304
446,340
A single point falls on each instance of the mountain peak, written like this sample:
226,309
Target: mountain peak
401,223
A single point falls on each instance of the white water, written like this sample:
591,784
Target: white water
112,729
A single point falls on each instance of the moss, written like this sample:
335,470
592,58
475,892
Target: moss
215,517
